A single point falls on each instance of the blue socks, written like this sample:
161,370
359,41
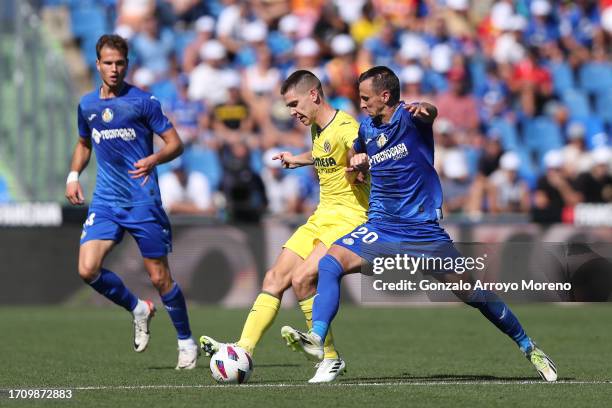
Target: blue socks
498,313
109,285
327,300
174,303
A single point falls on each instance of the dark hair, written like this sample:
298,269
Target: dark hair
303,79
383,79
113,41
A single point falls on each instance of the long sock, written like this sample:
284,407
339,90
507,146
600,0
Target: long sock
111,287
498,313
327,299
258,321
328,346
174,302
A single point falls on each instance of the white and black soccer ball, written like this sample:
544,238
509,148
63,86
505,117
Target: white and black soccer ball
231,365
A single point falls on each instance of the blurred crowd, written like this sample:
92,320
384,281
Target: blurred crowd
523,89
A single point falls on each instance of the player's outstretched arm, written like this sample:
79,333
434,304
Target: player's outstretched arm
289,161
423,111
173,148
80,158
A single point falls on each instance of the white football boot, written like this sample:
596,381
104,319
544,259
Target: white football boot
328,370
143,313
188,355
308,343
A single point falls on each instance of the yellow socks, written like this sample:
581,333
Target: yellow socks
328,346
260,318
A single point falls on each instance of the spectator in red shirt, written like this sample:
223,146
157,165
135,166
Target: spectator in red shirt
457,104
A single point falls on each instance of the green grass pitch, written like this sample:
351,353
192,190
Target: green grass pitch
437,356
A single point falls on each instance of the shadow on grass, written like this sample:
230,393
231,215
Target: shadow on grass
276,365
205,366
468,378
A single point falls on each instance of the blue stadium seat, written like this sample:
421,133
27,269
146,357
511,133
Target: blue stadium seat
577,103
528,170
542,134
87,19
507,133
478,75
5,195
563,78
603,105
595,76
205,161
594,127
181,41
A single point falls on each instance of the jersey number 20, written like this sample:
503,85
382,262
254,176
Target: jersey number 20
363,234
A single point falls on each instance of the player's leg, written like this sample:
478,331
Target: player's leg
304,283
265,308
174,302
99,236
498,313
103,281
276,281
150,227
336,263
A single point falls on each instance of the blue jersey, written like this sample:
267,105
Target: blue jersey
121,129
405,188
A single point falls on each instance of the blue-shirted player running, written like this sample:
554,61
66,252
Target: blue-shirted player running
119,121
396,143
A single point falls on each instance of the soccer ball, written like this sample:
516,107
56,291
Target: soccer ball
231,364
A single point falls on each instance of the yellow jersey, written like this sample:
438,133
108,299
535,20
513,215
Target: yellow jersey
330,146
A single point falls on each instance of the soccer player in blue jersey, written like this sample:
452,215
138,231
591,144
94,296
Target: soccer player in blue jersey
118,120
396,144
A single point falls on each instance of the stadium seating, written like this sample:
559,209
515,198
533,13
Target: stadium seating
603,105
541,134
577,103
563,78
595,76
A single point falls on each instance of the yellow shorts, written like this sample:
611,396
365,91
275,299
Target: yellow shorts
326,226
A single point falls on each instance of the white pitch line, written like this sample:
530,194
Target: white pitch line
347,384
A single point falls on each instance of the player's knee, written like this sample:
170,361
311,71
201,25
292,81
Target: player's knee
159,275
161,281
88,270
275,282
304,282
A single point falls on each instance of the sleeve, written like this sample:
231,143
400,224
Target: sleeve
154,117
84,130
417,122
358,144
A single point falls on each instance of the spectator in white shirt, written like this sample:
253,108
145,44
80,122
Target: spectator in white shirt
282,189
184,192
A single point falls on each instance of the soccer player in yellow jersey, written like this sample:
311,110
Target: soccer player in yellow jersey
343,204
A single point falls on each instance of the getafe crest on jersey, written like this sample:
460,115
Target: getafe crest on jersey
107,115
381,140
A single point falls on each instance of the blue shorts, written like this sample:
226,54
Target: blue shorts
376,239
148,224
